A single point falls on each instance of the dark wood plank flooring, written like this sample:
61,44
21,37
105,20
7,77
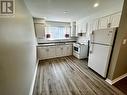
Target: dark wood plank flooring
122,85
70,76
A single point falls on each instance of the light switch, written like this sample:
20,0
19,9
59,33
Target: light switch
124,41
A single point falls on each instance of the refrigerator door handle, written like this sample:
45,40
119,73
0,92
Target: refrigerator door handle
91,47
92,39
92,36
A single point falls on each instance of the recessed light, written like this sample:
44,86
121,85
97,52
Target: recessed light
96,5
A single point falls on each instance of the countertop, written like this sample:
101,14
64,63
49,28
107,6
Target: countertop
47,41
50,42
54,44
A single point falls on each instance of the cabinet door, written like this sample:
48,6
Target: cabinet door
103,22
115,19
89,29
64,50
51,53
95,23
58,51
84,27
43,53
78,28
68,50
73,29
40,30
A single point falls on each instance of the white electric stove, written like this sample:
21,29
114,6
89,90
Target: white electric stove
80,50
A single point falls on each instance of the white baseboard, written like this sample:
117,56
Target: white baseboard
109,81
116,80
34,78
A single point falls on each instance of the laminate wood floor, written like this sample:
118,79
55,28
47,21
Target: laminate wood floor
122,85
70,76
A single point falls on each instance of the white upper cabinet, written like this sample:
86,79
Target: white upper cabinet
78,28
104,22
92,25
81,27
39,30
95,23
115,19
110,21
89,27
84,27
73,29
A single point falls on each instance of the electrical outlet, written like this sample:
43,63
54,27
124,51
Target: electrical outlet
124,41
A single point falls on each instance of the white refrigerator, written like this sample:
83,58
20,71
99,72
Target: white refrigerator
101,45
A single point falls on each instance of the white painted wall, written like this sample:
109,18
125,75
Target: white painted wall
56,23
17,52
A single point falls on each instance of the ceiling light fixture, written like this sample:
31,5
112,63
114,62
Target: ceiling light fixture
96,5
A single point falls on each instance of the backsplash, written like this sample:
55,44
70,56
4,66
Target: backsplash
82,39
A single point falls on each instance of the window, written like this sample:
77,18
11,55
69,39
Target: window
57,32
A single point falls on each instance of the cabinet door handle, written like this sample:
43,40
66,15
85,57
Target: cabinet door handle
91,48
109,25
92,36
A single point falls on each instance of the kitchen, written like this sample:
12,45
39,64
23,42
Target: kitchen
64,48
81,34
89,38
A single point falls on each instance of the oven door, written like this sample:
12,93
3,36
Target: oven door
76,49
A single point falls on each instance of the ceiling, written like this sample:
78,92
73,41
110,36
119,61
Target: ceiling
76,9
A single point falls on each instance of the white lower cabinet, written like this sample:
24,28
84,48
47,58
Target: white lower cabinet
47,52
68,50
51,52
43,52
63,50
59,51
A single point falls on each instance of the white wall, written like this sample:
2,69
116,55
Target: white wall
118,65
55,23
17,52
